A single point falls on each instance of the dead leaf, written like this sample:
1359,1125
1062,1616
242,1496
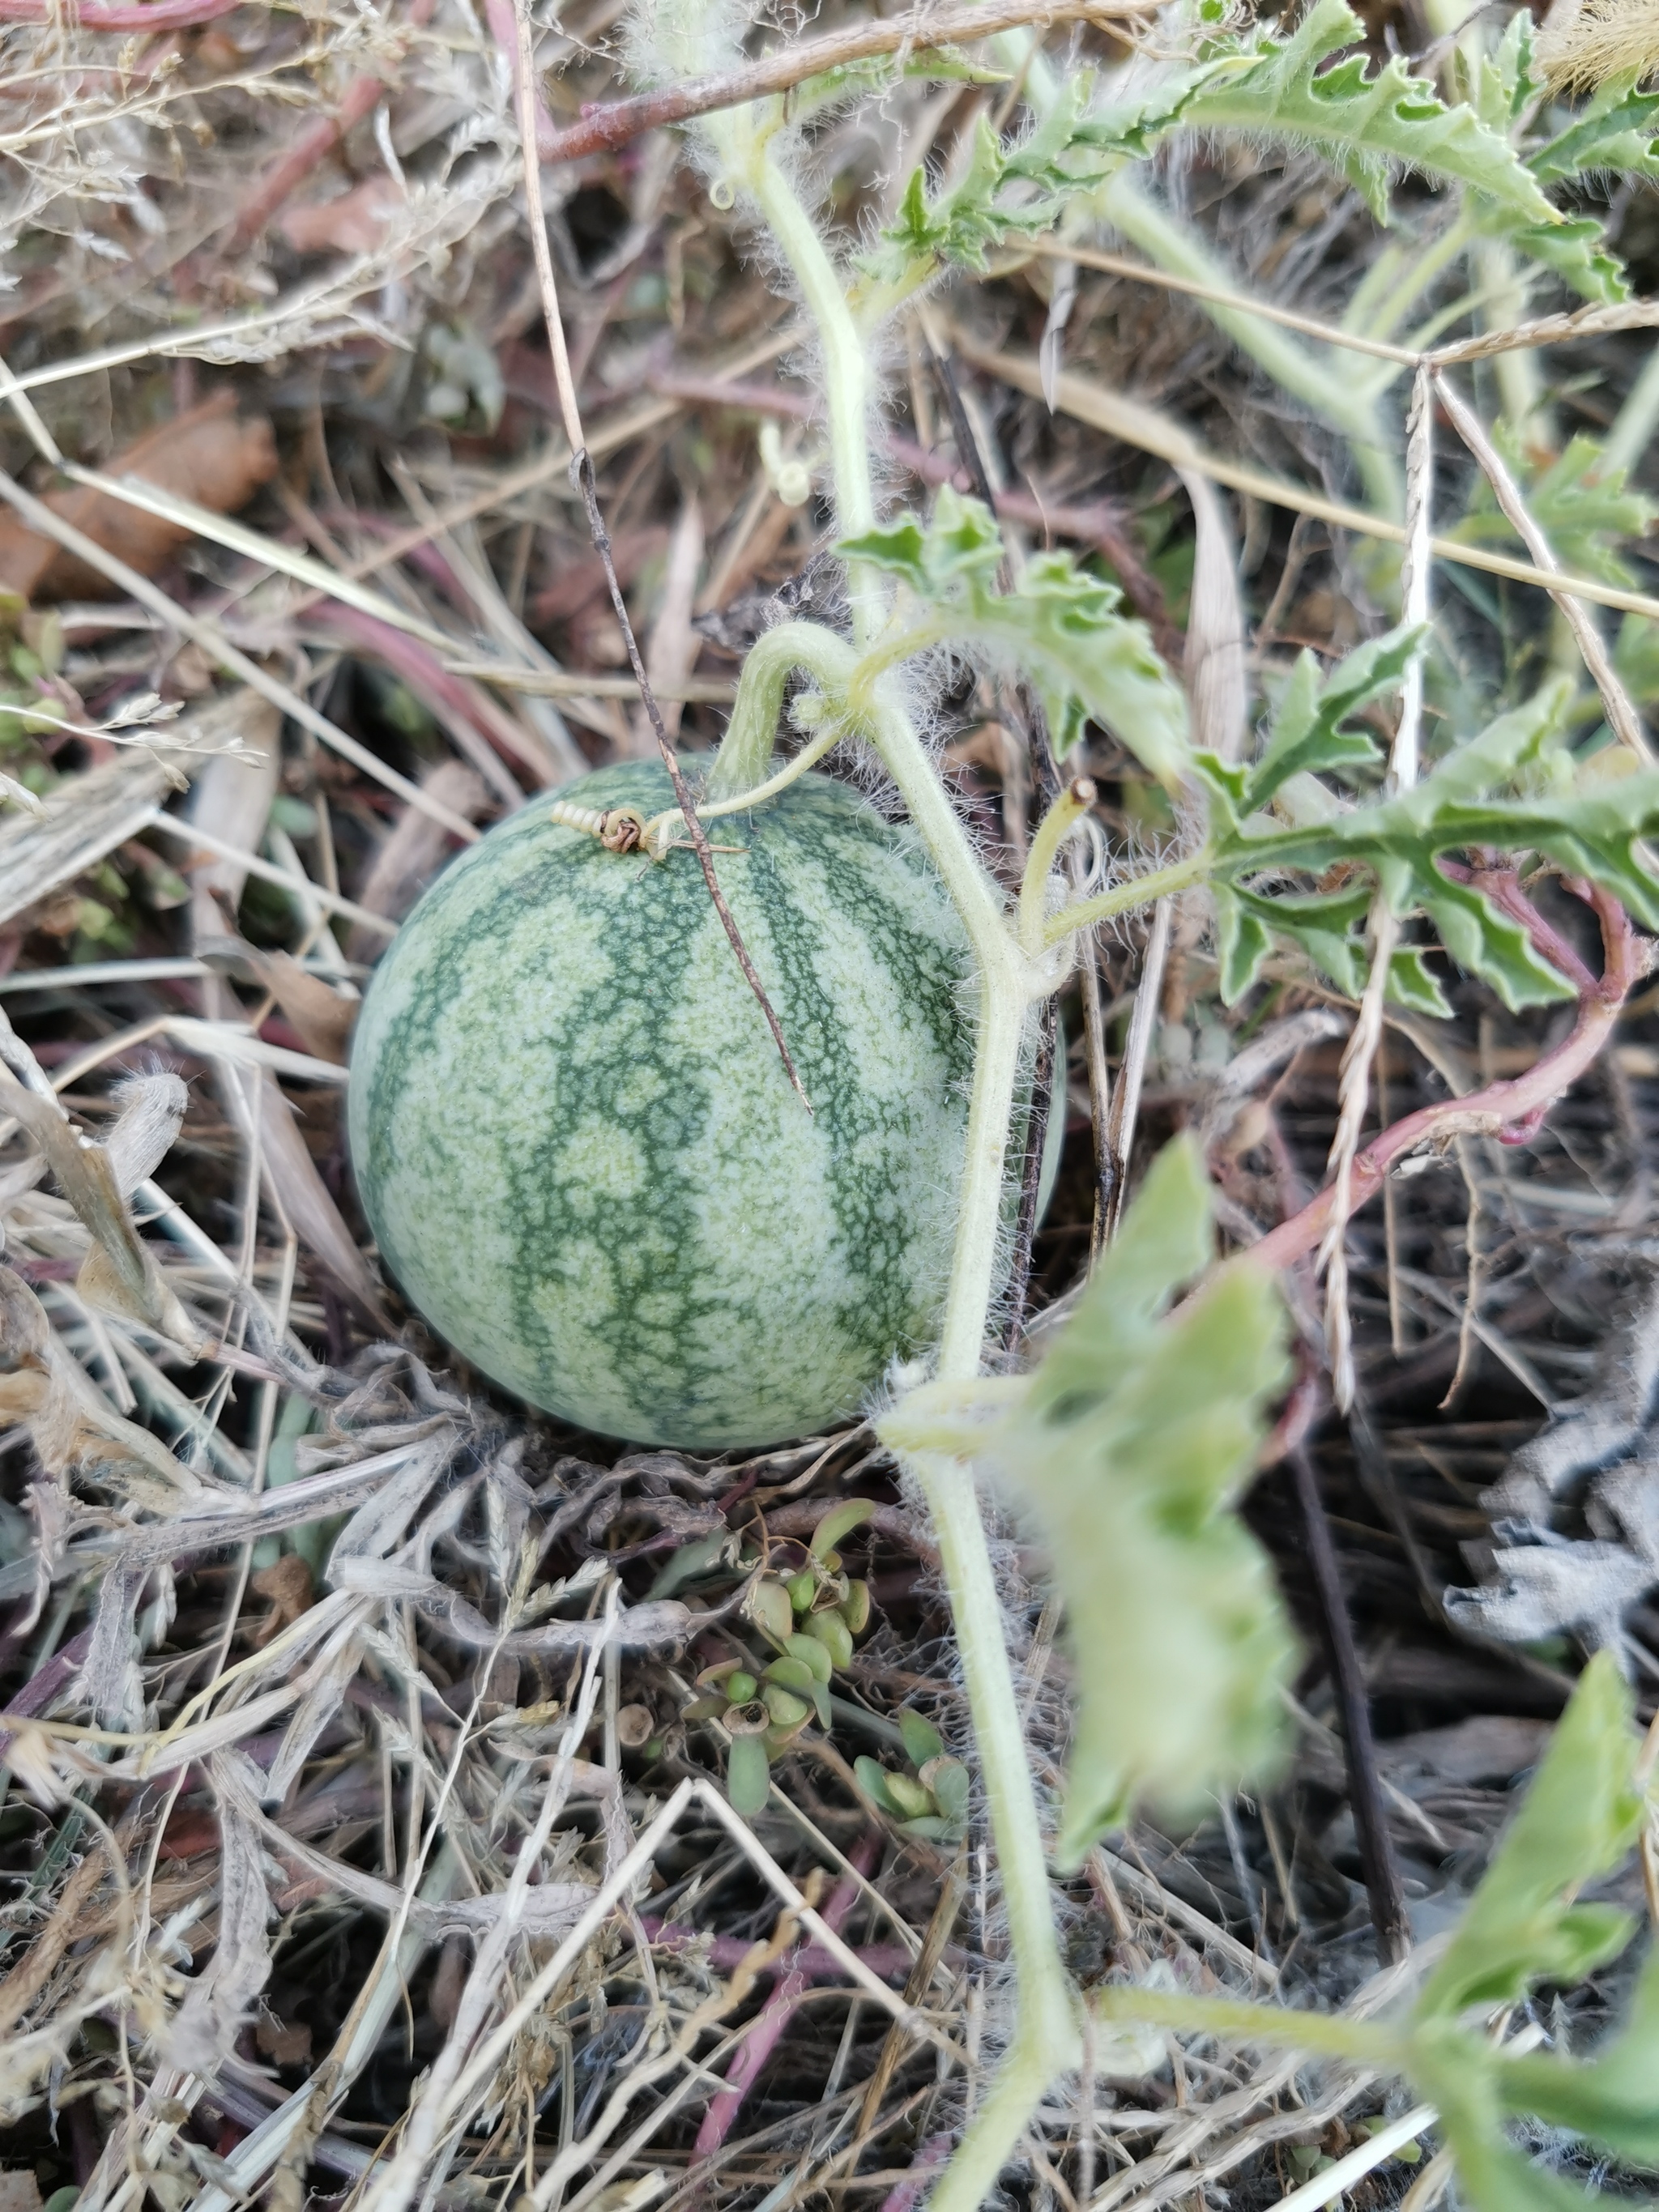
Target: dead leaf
673,652
305,1201
286,1583
320,1017
211,455
413,852
232,802
1215,628
352,223
120,1275
283,2046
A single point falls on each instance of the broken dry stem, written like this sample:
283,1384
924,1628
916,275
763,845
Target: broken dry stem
1511,1109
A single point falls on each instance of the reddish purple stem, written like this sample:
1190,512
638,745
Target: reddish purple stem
764,2031
52,1680
904,2194
1511,1111
152,16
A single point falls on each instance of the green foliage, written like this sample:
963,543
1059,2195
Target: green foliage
1309,735
1521,1932
1506,85
1060,624
810,1618
1365,124
1579,1820
1618,130
1523,1928
932,1801
1136,1435
1584,510
1512,789
1020,189
1576,250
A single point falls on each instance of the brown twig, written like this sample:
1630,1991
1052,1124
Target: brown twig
1511,1110
1382,1872
604,127
582,472
698,834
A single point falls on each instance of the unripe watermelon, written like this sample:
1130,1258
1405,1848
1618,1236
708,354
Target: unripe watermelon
580,1152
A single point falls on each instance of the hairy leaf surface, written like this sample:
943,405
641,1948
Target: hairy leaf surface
1137,1436
1060,625
1576,1822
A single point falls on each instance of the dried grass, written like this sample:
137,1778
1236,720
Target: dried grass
354,1846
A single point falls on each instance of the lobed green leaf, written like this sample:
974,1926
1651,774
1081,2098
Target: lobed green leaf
1618,130
1365,125
1060,626
1135,1439
1510,789
1577,1821
1308,735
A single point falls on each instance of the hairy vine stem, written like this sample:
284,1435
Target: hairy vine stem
859,696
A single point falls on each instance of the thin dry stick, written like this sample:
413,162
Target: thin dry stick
1125,1098
218,648
1356,1081
1622,718
1548,329
1153,432
1383,1888
564,684
581,471
613,126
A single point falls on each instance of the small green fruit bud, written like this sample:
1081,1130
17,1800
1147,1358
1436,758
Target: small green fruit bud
812,1655
912,1799
832,1631
769,1607
784,1708
803,1588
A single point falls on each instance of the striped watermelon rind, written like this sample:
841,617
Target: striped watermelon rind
579,1153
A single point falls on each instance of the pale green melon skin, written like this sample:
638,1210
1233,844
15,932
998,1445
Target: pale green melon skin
579,1153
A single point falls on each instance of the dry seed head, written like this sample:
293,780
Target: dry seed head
1599,40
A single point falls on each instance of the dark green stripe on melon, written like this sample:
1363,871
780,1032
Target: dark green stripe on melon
579,1149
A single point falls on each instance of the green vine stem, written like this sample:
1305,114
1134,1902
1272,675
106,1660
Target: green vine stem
744,136
1015,969
1330,2035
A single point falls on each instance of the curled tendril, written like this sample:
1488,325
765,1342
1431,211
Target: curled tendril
618,829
